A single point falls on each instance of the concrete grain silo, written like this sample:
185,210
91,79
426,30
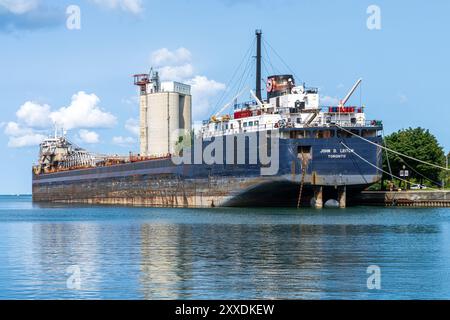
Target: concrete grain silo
165,109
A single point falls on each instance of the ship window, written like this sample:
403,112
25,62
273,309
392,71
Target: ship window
250,123
300,134
256,123
368,133
299,120
231,126
343,134
245,124
226,126
328,134
354,131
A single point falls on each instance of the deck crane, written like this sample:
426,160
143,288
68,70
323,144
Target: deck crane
350,93
258,101
217,114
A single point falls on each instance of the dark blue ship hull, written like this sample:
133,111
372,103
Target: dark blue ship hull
332,162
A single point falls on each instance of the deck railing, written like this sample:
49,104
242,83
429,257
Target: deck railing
275,126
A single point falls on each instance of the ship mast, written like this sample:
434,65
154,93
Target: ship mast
258,33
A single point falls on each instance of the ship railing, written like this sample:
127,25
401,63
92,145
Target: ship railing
311,90
346,123
248,129
276,126
244,105
139,158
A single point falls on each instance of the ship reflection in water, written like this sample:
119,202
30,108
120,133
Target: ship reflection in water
140,253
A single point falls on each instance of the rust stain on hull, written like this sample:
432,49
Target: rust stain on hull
162,191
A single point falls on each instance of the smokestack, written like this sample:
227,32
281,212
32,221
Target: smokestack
258,33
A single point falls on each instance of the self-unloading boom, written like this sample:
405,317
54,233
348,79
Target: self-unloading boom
350,93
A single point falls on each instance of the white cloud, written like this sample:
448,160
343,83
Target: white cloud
21,136
19,6
204,91
29,15
13,129
34,115
176,73
34,119
83,112
176,66
132,6
132,125
173,65
329,101
88,136
123,141
164,56
28,140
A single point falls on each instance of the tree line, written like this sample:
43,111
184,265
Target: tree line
418,143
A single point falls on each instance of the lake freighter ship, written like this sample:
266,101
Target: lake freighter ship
319,154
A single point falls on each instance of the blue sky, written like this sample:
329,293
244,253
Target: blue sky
83,77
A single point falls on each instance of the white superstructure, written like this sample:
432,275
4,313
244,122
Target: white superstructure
287,106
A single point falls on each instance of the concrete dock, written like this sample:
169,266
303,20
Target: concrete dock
409,198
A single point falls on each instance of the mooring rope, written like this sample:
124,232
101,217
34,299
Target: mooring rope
370,163
396,152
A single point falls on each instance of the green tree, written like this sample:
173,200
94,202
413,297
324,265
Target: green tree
420,144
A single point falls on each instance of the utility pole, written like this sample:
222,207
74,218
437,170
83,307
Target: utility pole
445,177
446,166
446,160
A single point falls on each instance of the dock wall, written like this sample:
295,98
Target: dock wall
410,198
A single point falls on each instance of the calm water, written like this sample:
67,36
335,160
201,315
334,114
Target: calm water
147,253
